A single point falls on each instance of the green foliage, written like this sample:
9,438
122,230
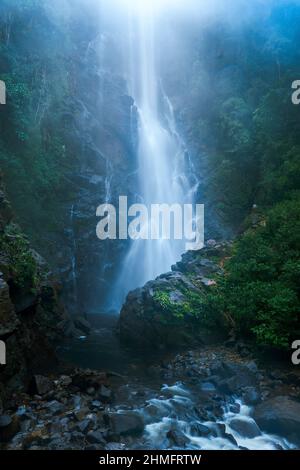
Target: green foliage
173,309
248,126
196,306
22,265
250,132
32,148
260,293
163,300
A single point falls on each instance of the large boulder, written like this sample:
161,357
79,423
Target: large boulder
164,312
41,385
246,428
9,426
280,415
231,378
144,323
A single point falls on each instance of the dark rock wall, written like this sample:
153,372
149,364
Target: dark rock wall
99,139
32,319
88,108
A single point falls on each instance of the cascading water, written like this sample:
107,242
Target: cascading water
73,257
173,414
162,164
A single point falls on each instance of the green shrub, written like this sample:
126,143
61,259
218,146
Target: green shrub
260,292
21,262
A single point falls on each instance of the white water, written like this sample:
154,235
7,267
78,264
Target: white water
73,257
177,414
163,166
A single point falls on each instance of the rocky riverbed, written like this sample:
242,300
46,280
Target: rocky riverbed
208,398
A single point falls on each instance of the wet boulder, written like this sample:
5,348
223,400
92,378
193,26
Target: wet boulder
177,439
245,427
54,407
163,312
96,437
41,385
220,431
125,423
280,415
199,430
88,379
105,394
231,377
251,396
9,427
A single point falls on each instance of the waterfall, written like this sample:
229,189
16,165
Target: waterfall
73,257
163,168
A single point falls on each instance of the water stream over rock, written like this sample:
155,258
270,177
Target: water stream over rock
202,399
164,168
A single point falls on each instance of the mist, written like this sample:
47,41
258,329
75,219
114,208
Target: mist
149,228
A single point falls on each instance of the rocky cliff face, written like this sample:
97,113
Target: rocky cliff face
96,119
99,139
32,321
78,131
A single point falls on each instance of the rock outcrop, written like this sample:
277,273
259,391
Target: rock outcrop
167,311
280,415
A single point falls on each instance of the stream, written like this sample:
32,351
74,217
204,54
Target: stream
178,414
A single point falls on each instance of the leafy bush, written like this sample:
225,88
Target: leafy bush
22,265
260,292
